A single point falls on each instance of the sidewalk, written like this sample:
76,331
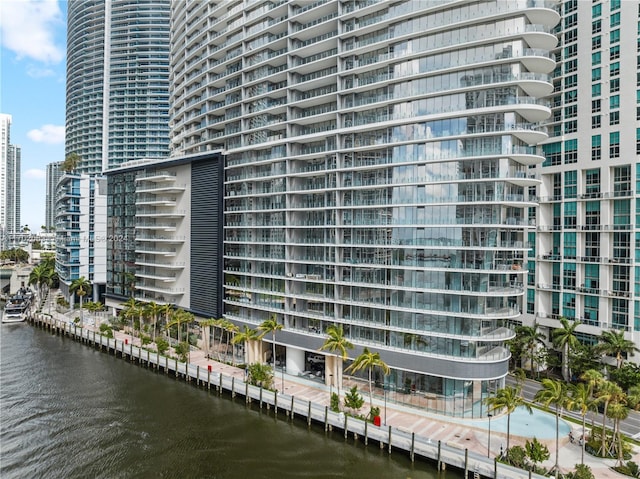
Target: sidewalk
472,434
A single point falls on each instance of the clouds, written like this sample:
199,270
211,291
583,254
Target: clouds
50,134
28,28
34,174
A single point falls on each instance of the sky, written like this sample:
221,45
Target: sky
32,91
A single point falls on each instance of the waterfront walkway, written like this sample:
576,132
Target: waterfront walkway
471,434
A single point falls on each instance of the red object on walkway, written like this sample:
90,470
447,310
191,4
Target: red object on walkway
376,421
209,367
126,341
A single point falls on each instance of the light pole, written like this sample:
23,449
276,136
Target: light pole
384,392
489,441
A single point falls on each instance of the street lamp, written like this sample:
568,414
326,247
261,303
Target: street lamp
384,392
330,385
489,441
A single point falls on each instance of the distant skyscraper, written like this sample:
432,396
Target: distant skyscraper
117,111
117,82
9,181
54,173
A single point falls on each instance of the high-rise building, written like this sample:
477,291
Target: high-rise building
376,172
9,183
116,111
54,173
585,265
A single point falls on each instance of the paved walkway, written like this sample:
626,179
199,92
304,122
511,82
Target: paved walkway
471,434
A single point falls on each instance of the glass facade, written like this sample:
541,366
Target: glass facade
376,174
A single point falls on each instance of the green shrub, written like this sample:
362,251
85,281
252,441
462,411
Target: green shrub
582,472
162,345
106,330
182,350
335,402
353,400
260,375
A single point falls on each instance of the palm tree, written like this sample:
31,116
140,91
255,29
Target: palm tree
224,324
565,338
130,312
167,310
206,324
581,398
246,336
233,329
153,310
81,287
36,278
270,325
607,393
338,344
594,379
530,338
180,317
70,162
368,360
553,392
613,343
508,398
618,411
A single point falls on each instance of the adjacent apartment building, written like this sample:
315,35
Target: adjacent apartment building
585,265
379,164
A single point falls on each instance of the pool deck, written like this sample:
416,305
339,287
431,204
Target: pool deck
471,434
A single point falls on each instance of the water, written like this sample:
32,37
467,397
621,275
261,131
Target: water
70,411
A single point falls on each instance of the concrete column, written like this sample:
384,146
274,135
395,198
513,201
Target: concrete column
295,360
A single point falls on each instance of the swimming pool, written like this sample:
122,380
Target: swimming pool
540,424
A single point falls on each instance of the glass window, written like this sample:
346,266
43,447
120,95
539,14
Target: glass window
614,36
614,52
614,101
596,10
596,74
615,4
596,89
614,144
571,51
614,69
596,57
614,117
614,86
571,81
596,121
596,26
595,105
615,19
596,42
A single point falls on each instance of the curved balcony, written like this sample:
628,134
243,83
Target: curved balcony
542,15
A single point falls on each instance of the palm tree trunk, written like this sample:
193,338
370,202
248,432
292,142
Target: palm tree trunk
583,439
370,390
220,343
508,429
604,430
557,465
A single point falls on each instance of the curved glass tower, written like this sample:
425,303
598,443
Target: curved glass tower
376,175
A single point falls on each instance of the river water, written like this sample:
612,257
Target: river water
70,411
